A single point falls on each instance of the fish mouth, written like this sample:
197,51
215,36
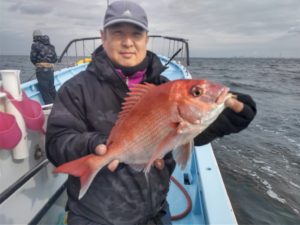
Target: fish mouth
223,95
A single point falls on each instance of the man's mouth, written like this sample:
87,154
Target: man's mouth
127,54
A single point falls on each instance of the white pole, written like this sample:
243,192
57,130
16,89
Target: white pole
2,97
11,83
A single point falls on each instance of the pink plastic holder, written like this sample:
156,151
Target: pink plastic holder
10,133
31,111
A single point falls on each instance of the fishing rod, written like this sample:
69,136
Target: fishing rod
30,78
173,56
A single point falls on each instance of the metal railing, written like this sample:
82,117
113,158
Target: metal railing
167,46
22,180
38,217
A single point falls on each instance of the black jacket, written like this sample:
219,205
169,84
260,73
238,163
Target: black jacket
83,114
42,50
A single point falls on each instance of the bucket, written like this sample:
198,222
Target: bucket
10,133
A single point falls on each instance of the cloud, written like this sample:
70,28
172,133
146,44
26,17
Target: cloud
30,8
213,27
294,30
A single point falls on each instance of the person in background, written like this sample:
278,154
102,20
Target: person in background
43,56
86,109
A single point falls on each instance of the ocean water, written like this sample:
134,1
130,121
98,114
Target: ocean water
261,164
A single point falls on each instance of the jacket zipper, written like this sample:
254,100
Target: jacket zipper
120,78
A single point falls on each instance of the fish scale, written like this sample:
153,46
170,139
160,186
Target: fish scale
144,140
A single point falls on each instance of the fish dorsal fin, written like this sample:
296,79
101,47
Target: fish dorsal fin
134,96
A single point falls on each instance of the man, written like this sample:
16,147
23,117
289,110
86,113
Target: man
43,56
86,109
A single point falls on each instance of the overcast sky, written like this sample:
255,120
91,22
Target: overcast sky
214,28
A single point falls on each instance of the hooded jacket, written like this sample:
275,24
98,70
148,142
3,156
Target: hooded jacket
84,112
42,50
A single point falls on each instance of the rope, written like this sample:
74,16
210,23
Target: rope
188,199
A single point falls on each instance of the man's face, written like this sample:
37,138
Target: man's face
125,44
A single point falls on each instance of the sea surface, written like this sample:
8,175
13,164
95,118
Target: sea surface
260,165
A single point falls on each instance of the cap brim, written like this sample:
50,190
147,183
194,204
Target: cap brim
115,21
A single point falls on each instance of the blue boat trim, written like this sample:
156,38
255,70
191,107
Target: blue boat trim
218,208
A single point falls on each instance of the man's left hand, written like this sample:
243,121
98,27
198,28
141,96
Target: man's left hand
234,104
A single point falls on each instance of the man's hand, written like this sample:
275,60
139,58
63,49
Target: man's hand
101,150
234,104
112,166
159,164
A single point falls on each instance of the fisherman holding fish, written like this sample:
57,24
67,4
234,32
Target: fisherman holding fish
117,145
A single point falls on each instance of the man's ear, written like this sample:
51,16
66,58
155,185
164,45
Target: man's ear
147,39
102,34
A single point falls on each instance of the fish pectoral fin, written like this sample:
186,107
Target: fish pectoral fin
86,168
162,149
183,153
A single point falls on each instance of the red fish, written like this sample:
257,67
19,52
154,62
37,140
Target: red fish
154,120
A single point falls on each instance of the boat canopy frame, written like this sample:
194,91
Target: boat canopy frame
173,47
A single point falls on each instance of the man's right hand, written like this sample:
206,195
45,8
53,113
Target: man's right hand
112,166
101,150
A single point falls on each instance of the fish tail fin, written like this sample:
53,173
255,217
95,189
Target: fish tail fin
86,168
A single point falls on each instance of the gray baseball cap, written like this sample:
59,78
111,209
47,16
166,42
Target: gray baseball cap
125,12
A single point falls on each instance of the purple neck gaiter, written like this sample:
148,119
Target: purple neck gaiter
134,79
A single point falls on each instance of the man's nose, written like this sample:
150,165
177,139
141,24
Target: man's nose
127,41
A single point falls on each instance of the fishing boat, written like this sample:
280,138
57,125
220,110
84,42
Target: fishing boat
31,194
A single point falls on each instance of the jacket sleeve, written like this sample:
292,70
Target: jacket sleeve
229,122
34,53
68,136
51,57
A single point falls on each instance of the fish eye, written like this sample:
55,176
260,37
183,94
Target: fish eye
196,91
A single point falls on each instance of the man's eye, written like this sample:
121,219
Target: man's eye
117,33
138,34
